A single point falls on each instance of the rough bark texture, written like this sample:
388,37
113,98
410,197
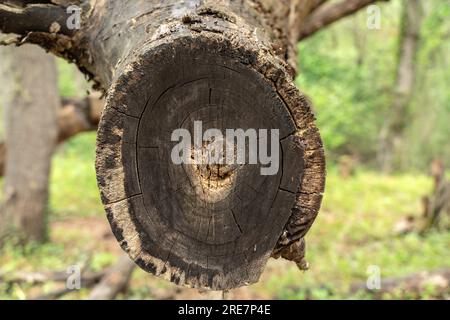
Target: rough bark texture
163,65
31,130
392,133
219,63
2,158
229,64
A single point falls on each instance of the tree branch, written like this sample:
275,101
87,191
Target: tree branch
33,17
44,277
326,14
75,116
78,116
114,281
317,4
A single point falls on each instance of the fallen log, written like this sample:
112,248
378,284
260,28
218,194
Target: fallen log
34,278
86,282
53,295
164,66
196,225
106,284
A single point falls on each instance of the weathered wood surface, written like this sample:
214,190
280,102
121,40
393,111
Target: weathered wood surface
185,223
165,64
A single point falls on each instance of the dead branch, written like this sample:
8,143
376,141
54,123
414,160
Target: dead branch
34,17
413,284
44,277
114,281
326,14
87,282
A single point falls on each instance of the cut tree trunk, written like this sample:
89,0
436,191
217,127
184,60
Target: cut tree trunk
165,64
229,64
220,64
31,104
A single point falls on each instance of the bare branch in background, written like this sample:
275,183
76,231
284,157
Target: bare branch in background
114,281
75,116
317,4
44,277
326,14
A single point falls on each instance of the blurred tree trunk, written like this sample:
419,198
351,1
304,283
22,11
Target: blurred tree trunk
75,116
398,118
31,106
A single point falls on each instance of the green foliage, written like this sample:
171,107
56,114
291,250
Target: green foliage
73,188
348,84
349,73
429,132
354,230
67,73
101,260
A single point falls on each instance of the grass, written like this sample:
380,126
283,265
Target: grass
353,231
73,187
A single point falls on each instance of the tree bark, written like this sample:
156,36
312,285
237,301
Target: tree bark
31,131
187,223
164,65
398,117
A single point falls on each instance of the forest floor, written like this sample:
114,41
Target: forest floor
354,231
